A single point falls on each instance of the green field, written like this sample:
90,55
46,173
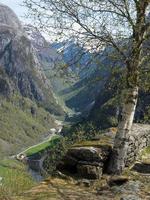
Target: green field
42,146
15,178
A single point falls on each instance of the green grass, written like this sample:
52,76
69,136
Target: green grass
16,179
147,150
104,141
145,155
41,147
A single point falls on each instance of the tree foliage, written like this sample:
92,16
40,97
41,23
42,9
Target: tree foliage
95,24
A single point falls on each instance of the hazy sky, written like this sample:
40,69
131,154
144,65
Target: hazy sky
15,5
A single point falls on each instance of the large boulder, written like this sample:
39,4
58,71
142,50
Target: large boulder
89,154
90,158
89,171
86,161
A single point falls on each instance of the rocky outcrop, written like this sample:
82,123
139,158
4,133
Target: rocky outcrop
87,160
142,165
5,85
138,140
89,171
90,159
19,61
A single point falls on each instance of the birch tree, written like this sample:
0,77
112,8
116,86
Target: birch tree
120,24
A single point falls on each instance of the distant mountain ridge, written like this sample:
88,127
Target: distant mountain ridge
72,76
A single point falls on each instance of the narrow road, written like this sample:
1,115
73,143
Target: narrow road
45,140
37,175
48,138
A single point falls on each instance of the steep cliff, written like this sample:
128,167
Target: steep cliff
18,59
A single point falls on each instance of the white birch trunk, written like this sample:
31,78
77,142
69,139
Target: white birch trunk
119,154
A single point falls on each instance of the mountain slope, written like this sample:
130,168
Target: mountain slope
19,61
25,92
72,76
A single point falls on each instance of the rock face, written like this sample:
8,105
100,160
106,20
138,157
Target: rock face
89,171
5,85
69,81
50,60
87,162
90,160
20,63
138,140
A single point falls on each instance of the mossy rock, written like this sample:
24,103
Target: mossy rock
101,142
145,155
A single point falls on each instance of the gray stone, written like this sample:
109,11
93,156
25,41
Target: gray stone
144,140
89,172
131,139
86,161
90,154
133,186
130,197
136,144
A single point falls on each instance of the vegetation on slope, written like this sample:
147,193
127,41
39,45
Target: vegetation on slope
108,106
15,179
43,146
22,124
75,134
